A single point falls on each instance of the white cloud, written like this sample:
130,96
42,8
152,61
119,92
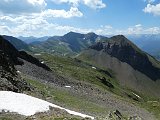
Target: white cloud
4,30
153,30
39,26
150,1
95,4
73,12
34,8
72,2
21,6
153,9
139,29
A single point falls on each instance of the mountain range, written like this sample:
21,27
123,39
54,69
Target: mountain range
73,43
106,77
69,44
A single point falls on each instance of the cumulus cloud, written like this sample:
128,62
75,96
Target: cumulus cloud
139,29
34,8
73,12
95,4
5,30
39,26
153,9
22,6
150,1
32,18
72,2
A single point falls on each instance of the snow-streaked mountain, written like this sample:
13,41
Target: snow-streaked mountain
28,105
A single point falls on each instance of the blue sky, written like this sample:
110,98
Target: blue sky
57,17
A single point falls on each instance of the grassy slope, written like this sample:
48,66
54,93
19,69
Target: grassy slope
84,72
74,68
150,103
53,47
81,71
65,98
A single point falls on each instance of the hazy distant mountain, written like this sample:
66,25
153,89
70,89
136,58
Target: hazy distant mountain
133,68
17,43
33,39
70,43
147,42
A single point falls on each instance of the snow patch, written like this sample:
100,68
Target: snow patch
18,72
28,105
42,62
68,86
37,54
136,95
94,68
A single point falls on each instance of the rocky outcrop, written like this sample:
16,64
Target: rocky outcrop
23,55
124,50
9,79
9,76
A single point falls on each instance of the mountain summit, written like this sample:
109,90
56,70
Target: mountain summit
125,51
132,67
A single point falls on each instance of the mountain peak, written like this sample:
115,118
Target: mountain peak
73,35
71,32
125,51
115,41
120,40
91,33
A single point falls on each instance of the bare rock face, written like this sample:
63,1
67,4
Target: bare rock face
125,51
9,77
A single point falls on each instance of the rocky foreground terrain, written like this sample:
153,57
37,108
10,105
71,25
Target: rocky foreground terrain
85,90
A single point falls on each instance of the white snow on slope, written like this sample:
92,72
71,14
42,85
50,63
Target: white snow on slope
27,105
